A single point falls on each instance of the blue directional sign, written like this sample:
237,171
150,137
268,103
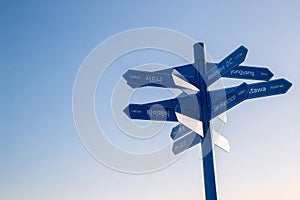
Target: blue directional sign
195,111
165,110
257,90
179,131
155,112
250,73
274,87
186,142
136,79
228,63
230,100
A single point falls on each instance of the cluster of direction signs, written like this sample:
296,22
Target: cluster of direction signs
186,108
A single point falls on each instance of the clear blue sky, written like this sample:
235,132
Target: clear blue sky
42,45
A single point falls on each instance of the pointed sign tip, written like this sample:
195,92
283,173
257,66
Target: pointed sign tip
126,75
126,111
270,75
130,77
288,84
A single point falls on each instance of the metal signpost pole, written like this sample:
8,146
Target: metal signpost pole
207,145
194,125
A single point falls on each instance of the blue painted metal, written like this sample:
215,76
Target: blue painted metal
207,146
257,90
136,78
227,64
179,131
165,110
155,112
186,142
229,100
264,89
250,73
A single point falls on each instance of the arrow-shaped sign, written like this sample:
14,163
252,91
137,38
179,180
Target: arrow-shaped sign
274,87
229,100
179,131
257,90
251,73
165,110
136,78
155,112
227,64
186,142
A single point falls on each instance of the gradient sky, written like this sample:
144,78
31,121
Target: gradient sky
42,45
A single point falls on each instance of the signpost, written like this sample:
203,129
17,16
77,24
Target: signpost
195,110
